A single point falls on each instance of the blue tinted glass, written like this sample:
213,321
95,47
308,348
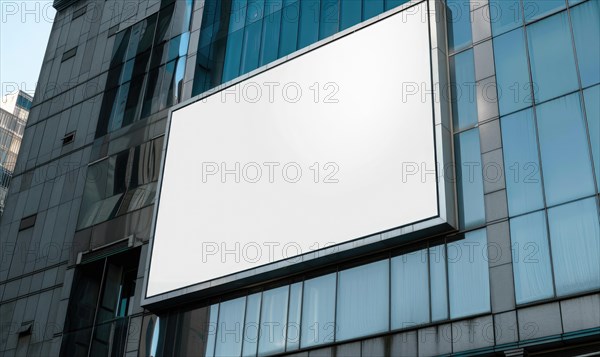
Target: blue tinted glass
551,56
270,40
289,29
462,79
330,14
251,325
586,29
469,179
439,286
512,72
566,163
505,15
574,2
535,9
350,13
410,290
235,40
273,319
372,8
293,323
575,238
318,311
459,24
363,301
468,275
309,22
390,4
592,109
229,329
521,163
251,47
531,258
212,330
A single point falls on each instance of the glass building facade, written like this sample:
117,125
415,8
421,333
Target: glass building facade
521,274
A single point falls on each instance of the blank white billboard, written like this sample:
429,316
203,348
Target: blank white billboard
310,153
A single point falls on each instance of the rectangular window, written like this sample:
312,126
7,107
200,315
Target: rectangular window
469,179
586,30
350,13
536,9
270,38
462,81
229,329
330,13
521,163
213,322
512,72
438,282
251,325
318,311
505,15
371,8
575,239
293,322
309,22
360,311
531,258
566,162
468,275
288,40
410,289
273,319
551,55
458,17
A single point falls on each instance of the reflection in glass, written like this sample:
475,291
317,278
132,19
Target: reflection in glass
228,341
575,239
318,311
566,162
586,30
462,81
469,179
468,275
363,301
213,321
592,110
536,9
531,258
551,56
521,163
251,325
438,282
459,24
293,323
505,15
273,319
410,289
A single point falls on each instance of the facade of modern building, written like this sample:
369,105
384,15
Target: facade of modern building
520,275
14,110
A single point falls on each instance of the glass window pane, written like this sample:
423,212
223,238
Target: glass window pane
372,8
535,9
551,56
469,179
566,162
251,325
251,47
273,319
212,330
293,323
350,12
390,4
330,13
521,163
318,311
459,24
512,72
439,286
309,22
468,275
229,330
592,110
505,15
586,30
363,301
531,258
270,40
575,239
410,289
289,29
462,80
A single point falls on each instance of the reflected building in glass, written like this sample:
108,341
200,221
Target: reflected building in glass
520,275
14,110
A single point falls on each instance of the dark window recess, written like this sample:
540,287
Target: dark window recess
69,138
27,222
69,54
79,12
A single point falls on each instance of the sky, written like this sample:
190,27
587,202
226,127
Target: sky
24,31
